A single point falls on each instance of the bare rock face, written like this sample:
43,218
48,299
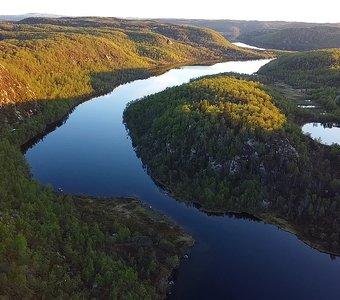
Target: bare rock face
16,98
252,158
12,89
283,153
235,166
286,152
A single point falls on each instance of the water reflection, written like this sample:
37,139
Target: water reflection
235,256
325,133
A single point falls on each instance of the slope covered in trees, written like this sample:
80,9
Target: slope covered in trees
295,38
223,142
58,246
233,29
53,245
309,69
316,72
73,58
273,34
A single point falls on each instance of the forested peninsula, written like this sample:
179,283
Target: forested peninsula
232,144
55,245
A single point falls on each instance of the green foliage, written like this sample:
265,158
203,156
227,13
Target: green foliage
239,101
306,69
222,142
191,137
52,245
58,61
316,72
296,38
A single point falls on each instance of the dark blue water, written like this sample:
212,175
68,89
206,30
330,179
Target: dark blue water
233,258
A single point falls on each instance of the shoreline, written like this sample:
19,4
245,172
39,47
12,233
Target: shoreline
267,218
26,143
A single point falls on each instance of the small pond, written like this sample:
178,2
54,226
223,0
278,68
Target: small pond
325,133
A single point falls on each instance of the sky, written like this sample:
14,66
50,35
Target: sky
264,10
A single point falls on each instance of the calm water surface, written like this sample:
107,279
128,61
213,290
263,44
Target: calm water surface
325,133
243,45
233,258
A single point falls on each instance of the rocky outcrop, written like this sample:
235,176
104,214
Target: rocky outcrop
249,159
12,89
16,97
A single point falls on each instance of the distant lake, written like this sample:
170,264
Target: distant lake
234,257
325,133
243,45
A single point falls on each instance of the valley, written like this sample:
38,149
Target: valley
197,183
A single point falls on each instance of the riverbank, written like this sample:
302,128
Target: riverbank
94,247
32,123
295,230
266,217
150,239
76,234
92,154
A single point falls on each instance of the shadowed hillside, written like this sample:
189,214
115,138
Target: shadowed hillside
53,59
273,34
299,39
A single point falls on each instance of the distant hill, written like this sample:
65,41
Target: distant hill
295,36
233,29
190,35
16,18
310,69
273,34
299,39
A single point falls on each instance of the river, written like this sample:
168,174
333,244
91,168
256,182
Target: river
243,45
233,257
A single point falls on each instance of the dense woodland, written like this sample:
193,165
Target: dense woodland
316,73
232,145
225,142
47,59
297,36
53,245
68,247
74,59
